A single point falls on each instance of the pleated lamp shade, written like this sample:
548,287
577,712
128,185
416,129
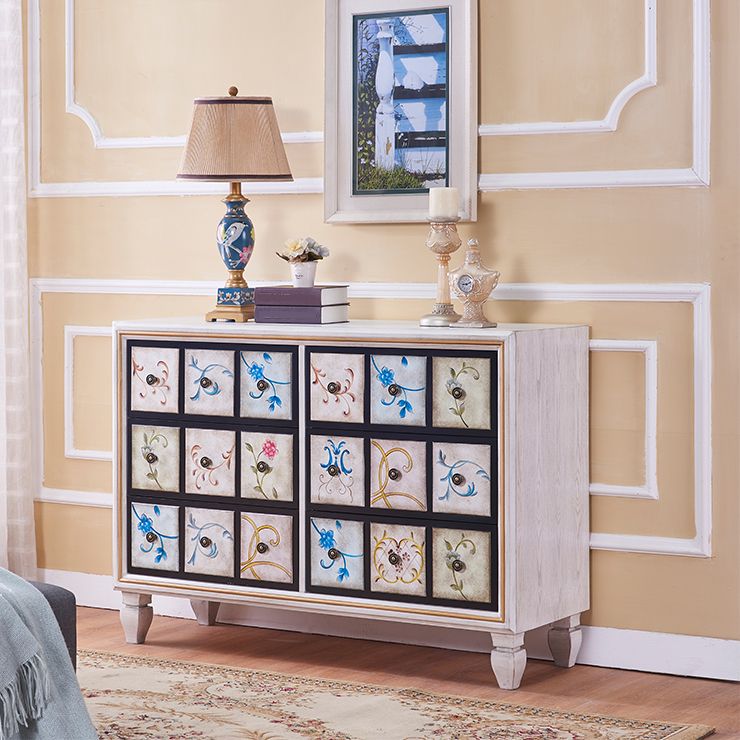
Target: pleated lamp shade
235,139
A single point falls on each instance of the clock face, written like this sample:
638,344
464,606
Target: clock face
465,284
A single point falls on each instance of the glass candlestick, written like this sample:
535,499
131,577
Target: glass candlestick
442,241
472,284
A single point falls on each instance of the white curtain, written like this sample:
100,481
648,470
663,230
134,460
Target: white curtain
17,538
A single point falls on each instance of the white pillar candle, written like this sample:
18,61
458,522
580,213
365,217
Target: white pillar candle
443,204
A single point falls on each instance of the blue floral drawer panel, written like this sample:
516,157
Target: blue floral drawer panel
209,382
398,477
337,387
461,565
462,479
266,385
267,466
337,551
399,559
267,547
461,397
209,542
155,537
155,379
398,391
210,460
337,470
155,458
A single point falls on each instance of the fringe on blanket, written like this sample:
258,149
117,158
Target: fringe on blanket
25,697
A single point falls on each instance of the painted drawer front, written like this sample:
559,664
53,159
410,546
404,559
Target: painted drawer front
337,473
209,462
266,385
398,389
155,536
209,542
154,379
209,382
462,478
155,458
337,550
337,387
267,466
267,547
398,474
461,397
461,565
398,563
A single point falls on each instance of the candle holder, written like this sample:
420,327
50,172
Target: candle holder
442,241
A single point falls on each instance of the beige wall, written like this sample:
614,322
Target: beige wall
540,61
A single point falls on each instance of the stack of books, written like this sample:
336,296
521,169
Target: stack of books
284,304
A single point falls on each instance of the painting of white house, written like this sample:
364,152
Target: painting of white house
401,93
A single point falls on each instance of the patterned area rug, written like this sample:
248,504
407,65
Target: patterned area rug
132,697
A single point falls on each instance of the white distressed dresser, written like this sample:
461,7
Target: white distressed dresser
373,469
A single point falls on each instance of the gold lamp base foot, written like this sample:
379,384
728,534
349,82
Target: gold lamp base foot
239,314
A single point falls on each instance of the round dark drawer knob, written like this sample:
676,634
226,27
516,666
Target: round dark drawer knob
205,542
334,554
333,387
262,548
393,389
458,479
262,466
333,471
394,558
151,458
261,385
151,537
205,382
394,474
458,566
458,393
151,379
206,462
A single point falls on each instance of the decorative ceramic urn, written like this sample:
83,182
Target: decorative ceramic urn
472,284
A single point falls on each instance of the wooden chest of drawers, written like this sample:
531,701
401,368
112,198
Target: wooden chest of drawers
374,469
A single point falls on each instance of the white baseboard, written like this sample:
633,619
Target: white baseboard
636,650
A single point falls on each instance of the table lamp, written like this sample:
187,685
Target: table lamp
234,139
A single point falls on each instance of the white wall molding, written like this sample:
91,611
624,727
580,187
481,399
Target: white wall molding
95,499
648,348
697,294
610,122
655,652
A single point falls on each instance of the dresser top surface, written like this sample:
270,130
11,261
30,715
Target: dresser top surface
352,329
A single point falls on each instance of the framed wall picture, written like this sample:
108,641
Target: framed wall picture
401,107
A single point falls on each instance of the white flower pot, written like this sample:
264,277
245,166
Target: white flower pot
304,273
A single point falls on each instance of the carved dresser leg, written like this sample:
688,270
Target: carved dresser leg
508,659
564,639
205,611
136,616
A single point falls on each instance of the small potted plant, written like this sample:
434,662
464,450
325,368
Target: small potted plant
303,254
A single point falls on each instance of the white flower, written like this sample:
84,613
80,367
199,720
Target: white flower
306,249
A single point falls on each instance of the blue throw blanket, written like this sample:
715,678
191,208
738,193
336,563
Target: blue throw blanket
39,693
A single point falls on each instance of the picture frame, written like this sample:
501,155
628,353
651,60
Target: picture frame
401,111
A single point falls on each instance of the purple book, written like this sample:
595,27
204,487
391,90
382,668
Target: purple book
287,295
301,314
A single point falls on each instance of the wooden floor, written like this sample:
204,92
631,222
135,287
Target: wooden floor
582,689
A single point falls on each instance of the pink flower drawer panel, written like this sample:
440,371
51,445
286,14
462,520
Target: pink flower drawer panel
267,547
155,458
398,392
337,387
398,478
398,559
337,471
155,379
461,392
463,479
267,472
208,541
209,382
461,565
210,461
266,380
155,536
337,552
